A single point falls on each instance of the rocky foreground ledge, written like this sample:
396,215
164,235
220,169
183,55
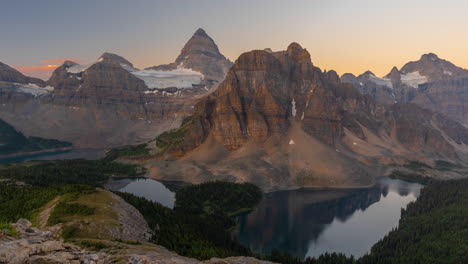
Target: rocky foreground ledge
34,246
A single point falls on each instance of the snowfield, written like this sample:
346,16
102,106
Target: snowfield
79,68
33,89
180,78
413,79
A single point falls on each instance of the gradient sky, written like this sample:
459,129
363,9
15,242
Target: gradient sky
344,35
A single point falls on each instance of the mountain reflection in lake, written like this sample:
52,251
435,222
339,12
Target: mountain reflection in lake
310,222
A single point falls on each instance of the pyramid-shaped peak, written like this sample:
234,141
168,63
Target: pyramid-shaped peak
199,44
201,32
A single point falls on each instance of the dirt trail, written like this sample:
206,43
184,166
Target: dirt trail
44,215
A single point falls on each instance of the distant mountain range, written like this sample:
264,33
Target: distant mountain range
272,118
430,82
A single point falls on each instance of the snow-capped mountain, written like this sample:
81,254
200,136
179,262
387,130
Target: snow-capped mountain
200,55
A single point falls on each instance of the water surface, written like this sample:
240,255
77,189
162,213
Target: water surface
150,189
88,154
314,221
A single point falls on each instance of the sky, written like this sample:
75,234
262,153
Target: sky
343,35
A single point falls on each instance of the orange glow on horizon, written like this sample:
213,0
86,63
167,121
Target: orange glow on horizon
42,72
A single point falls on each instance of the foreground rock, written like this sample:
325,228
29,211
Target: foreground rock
35,246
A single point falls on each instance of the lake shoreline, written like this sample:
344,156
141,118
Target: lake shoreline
33,153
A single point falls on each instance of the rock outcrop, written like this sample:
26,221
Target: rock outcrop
36,246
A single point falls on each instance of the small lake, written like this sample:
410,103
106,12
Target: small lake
143,187
310,222
88,154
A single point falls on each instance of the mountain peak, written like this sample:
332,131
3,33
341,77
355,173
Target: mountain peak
199,44
201,32
430,56
297,53
368,72
69,63
294,46
114,58
434,68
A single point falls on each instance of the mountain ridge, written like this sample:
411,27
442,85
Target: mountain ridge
431,82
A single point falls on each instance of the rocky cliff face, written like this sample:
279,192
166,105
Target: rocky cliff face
430,82
280,122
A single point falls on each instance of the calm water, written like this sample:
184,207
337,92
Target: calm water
89,154
311,222
143,187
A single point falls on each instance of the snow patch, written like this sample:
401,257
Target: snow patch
33,89
413,79
291,142
293,104
448,73
180,78
79,68
381,81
